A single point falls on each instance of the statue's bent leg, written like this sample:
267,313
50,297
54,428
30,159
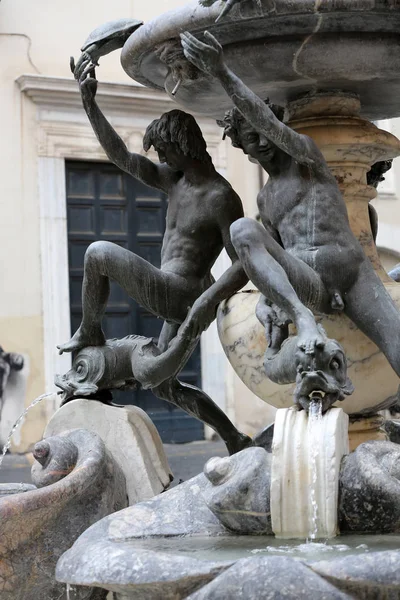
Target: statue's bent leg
282,278
164,294
197,404
371,308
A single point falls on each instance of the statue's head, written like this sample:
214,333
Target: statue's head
322,376
177,139
244,136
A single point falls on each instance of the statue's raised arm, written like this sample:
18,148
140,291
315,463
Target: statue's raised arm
209,58
158,176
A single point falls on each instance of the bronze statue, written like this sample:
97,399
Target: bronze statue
320,376
9,361
202,206
305,255
136,360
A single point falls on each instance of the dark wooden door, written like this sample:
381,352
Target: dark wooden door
103,203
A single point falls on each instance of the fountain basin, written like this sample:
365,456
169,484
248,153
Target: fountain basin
224,567
234,547
175,544
281,50
77,483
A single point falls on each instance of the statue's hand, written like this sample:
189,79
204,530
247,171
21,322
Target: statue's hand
84,72
88,88
206,57
199,318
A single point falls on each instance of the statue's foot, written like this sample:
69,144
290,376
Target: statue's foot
309,335
240,442
275,322
80,340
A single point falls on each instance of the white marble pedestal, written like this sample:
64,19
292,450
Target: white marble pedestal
305,470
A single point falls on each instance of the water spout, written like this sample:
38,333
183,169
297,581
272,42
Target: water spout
18,422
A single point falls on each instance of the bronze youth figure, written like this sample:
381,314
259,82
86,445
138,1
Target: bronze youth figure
201,207
305,255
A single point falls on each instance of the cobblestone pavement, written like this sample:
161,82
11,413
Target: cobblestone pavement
186,461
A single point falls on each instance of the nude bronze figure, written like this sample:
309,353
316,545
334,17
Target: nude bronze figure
304,257
202,206
137,361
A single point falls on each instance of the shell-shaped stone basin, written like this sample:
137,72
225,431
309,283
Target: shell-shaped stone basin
242,337
281,50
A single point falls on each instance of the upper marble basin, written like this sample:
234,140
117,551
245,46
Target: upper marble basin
282,50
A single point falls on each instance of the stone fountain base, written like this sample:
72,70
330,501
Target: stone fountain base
95,459
140,552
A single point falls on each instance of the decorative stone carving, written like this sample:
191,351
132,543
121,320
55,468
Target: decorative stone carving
370,489
274,48
253,578
239,495
371,576
130,437
96,561
136,552
78,484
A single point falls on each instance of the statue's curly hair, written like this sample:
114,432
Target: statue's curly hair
233,119
179,128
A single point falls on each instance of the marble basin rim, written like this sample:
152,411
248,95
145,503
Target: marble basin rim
282,51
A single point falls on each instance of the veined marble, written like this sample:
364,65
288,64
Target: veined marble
306,456
243,339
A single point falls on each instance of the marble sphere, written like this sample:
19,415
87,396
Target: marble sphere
243,339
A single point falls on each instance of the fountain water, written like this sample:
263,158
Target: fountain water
18,422
306,457
314,444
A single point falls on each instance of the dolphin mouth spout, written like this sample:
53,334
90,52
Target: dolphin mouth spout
317,395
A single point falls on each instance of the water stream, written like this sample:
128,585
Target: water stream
18,422
234,547
314,441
